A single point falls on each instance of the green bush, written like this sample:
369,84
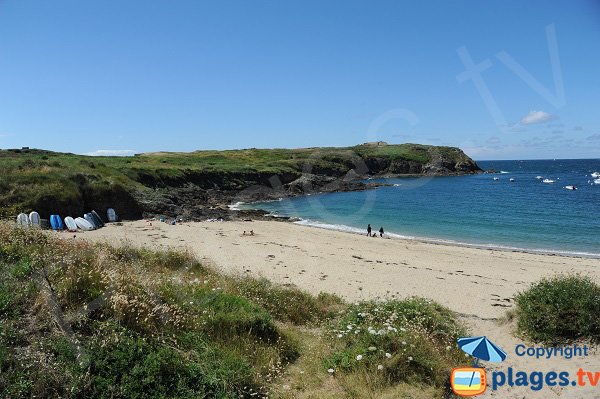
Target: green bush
133,367
560,309
411,340
289,304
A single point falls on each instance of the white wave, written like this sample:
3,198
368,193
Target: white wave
504,172
328,226
440,241
236,206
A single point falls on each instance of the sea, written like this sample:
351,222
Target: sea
474,210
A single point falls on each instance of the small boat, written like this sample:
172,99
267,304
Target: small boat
539,177
97,218
496,178
511,179
111,215
548,181
23,221
595,175
571,187
35,220
56,222
83,224
70,223
91,220
597,181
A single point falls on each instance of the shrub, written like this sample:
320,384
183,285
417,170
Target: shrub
412,340
289,304
560,309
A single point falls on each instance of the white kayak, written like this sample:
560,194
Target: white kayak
548,181
35,220
571,187
70,223
83,224
111,215
596,175
23,220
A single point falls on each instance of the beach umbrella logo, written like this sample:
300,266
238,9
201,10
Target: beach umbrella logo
481,348
471,381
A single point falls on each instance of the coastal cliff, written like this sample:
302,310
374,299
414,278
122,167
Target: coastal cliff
201,184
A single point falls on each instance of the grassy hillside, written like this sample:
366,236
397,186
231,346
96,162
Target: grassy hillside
55,182
93,321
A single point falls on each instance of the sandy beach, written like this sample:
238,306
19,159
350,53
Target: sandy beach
479,284
471,281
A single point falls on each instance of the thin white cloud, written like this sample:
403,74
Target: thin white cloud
112,153
594,137
537,117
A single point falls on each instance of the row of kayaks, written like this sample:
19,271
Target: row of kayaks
89,221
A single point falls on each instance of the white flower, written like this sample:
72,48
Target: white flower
380,367
349,327
403,342
330,371
372,349
410,358
388,355
339,335
448,347
358,357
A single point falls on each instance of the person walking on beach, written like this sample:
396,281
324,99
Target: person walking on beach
381,231
369,230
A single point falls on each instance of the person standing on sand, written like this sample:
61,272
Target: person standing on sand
369,230
381,231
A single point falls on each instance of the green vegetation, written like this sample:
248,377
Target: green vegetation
48,181
96,321
560,309
412,340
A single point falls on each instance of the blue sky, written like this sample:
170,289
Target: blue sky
182,75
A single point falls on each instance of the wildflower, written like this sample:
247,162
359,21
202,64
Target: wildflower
372,349
339,335
330,371
410,358
388,355
359,357
380,367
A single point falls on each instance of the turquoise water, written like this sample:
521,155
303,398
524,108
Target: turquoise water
525,214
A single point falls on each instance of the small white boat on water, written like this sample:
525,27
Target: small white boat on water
496,178
595,175
548,181
597,181
571,187
511,179
539,177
